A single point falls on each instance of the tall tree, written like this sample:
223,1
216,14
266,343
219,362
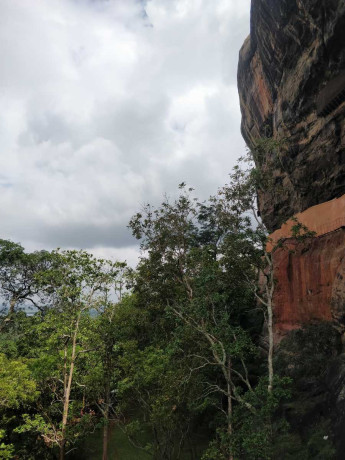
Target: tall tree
81,284
104,336
18,278
188,270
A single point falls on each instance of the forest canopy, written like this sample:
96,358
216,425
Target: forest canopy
177,353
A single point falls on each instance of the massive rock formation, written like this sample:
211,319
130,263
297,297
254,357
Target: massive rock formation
291,80
310,272
307,281
291,83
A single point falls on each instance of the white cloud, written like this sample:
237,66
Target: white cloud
109,104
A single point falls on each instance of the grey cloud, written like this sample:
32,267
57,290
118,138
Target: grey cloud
44,127
83,236
102,113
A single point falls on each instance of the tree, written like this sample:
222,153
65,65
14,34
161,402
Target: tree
6,450
18,277
257,264
209,263
188,271
17,387
104,335
81,284
16,382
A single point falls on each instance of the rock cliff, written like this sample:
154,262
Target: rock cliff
291,81
310,273
307,277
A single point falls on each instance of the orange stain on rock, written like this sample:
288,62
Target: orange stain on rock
306,272
321,219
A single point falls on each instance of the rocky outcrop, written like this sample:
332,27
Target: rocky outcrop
308,287
291,83
320,219
291,80
310,271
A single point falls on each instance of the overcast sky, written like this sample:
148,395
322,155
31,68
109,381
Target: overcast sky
108,104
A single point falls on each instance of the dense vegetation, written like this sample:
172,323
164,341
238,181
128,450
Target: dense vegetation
177,353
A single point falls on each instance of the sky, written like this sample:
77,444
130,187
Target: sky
109,104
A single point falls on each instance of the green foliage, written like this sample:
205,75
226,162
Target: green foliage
305,354
18,277
319,445
201,268
6,450
266,161
300,232
35,423
259,432
168,353
16,383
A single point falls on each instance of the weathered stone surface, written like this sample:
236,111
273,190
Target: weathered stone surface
320,219
291,85
338,296
291,81
308,281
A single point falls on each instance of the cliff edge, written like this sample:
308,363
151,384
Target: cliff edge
291,80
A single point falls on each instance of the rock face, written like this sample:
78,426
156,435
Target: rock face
309,284
320,219
310,273
291,83
291,80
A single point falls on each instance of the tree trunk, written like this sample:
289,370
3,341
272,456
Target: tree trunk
270,345
62,447
12,305
106,423
9,313
67,388
67,396
229,392
105,440
270,294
